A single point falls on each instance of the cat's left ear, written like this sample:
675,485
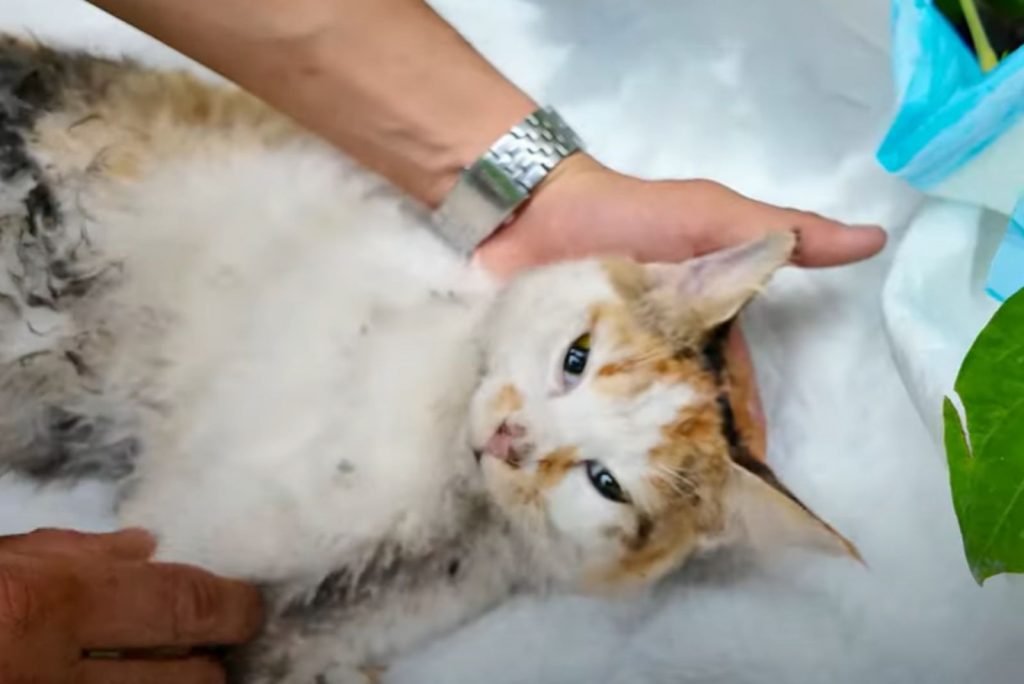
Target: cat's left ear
711,289
766,517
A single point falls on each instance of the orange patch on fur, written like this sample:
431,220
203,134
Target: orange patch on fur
627,277
616,368
690,462
643,358
685,500
527,486
690,465
694,449
623,384
552,467
672,540
507,400
118,120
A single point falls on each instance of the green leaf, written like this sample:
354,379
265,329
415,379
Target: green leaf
986,456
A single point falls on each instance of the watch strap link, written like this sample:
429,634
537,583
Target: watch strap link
488,192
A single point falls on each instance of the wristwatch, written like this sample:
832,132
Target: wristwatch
488,193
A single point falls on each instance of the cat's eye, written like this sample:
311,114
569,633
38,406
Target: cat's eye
605,484
575,361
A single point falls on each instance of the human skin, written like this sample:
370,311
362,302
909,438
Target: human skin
66,596
398,89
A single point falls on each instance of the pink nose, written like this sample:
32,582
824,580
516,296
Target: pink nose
502,443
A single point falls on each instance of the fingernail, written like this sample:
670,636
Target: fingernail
139,532
135,541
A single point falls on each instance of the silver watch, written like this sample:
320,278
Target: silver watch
489,191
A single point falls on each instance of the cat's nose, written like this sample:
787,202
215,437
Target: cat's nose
506,443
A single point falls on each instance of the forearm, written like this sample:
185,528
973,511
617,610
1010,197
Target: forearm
388,81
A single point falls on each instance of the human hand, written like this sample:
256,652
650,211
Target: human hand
584,209
66,596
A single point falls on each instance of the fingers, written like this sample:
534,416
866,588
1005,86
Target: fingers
187,671
130,544
141,605
120,602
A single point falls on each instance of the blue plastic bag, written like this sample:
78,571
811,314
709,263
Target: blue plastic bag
958,132
1006,275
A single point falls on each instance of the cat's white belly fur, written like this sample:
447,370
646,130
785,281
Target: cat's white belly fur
294,424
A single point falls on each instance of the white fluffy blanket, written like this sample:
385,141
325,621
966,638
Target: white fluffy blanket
784,100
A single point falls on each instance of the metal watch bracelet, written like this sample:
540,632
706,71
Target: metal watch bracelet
488,192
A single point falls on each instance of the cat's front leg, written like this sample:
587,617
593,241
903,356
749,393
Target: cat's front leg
289,652
284,670
333,674
374,673
346,674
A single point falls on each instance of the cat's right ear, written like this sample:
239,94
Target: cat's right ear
713,288
762,516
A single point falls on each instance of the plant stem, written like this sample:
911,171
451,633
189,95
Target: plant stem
986,55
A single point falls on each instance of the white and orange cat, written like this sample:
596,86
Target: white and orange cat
300,385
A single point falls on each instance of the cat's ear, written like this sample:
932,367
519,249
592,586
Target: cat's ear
766,517
713,288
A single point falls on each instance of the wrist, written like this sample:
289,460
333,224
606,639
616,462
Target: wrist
545,227
490,191
464,138
550,193
411,100
572,167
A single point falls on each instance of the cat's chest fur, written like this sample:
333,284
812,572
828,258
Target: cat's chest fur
308,388
302,402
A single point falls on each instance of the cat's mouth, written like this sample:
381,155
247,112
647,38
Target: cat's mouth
507,444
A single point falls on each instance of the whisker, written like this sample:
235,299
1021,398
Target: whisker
680,481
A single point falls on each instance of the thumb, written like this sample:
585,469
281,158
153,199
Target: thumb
822,241
127,544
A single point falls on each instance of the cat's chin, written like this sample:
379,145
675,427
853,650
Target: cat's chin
496,478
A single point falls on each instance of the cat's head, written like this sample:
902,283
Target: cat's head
599,423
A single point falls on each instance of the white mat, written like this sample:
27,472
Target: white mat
785,101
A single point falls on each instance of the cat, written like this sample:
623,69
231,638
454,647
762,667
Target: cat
296,382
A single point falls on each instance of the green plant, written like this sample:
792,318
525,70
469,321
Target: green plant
990,27
986,55
986,455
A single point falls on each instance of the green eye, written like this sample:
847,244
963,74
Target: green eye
575,361
605,484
